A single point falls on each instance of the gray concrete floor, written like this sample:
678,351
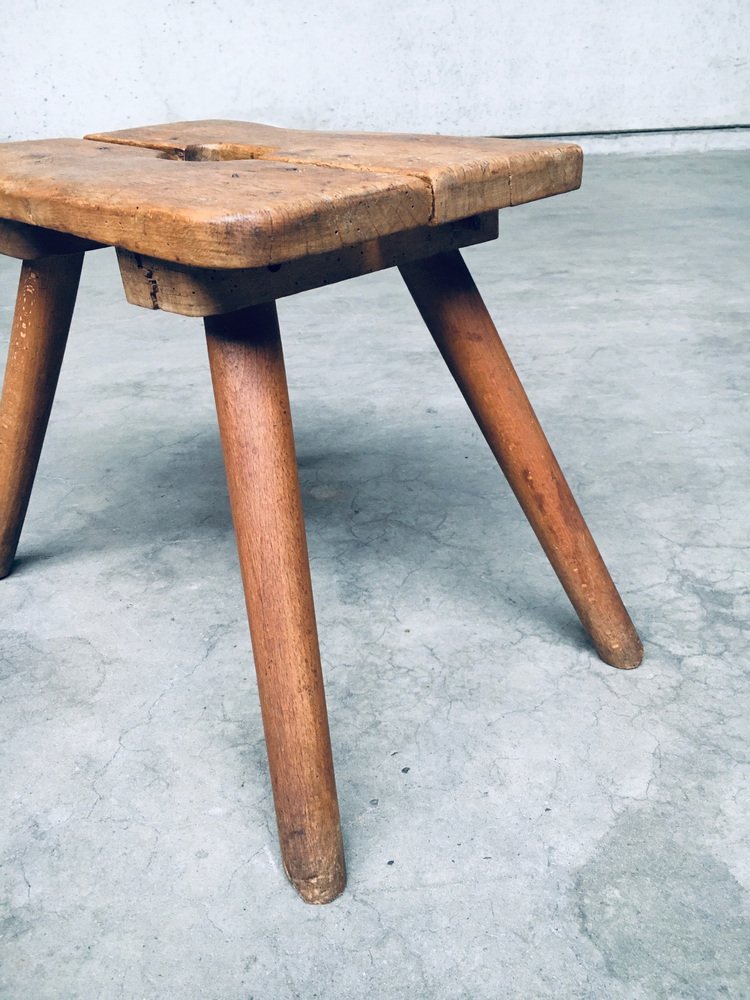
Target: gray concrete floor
520,819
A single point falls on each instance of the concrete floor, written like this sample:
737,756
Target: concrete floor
521,820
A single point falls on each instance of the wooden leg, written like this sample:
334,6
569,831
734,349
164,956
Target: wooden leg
462,328
44,307
247,368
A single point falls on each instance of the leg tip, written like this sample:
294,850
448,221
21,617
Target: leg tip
323,888
624,656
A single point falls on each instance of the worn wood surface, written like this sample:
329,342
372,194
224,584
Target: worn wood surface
240,195
44,307
252,403
466,337
158,284
247,213
465,175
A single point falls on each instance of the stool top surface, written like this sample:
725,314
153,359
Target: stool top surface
228,194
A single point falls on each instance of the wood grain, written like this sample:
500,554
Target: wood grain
44,307
463,330
230,195
158,284
247,213
252,402
466,175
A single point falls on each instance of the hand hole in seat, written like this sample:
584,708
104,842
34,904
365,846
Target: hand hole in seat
213,151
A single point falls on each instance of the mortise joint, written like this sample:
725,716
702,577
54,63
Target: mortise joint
148,274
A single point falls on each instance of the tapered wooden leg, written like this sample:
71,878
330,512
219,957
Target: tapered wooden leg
247,368
44,307
462,328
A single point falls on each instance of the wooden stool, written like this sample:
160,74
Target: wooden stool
219,219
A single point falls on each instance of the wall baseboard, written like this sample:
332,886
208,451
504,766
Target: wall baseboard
680,140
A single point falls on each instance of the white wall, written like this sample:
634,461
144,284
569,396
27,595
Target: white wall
433,65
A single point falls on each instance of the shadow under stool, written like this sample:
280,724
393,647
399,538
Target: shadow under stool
219,219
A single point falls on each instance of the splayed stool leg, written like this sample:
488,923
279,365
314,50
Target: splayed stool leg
44,307
252,402
463,330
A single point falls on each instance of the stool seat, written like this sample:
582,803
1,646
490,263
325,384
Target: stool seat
229,194
219,219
